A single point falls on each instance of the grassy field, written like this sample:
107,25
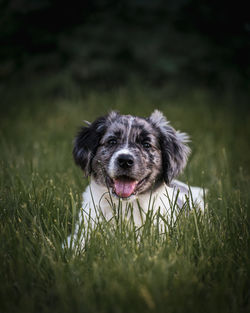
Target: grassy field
200,265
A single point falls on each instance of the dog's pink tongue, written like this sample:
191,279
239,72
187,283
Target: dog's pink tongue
124,187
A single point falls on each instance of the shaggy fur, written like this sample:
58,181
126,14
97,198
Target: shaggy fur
132,160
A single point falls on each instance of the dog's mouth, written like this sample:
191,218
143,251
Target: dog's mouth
125,186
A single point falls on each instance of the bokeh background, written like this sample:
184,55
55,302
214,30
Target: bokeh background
105,43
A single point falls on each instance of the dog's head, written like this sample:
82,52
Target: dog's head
131,155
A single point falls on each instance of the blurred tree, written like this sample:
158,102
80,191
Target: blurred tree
103,40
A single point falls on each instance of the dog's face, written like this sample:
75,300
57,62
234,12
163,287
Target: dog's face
131,155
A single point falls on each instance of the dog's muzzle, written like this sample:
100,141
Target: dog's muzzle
122,178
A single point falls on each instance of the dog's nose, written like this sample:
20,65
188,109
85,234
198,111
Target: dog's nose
125,160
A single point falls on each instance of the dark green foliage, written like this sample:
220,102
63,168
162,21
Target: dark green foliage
106,43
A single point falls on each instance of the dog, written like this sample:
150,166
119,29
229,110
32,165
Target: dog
132,162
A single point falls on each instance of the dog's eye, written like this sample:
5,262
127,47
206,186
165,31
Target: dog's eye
112,142
146,145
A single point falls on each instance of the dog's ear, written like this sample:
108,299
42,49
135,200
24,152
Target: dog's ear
173,146
86,143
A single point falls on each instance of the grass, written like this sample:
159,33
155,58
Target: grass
200,265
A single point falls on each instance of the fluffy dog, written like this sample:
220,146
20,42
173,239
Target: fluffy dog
132,162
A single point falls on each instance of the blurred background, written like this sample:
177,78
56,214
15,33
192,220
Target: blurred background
107,43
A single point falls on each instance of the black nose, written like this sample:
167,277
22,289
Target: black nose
125,160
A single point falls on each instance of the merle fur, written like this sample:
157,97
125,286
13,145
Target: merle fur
174,156
86,143
173,151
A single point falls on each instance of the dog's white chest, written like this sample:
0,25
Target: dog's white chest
98,202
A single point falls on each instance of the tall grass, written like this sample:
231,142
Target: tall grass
200,264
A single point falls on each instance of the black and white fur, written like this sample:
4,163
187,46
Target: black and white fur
132,160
